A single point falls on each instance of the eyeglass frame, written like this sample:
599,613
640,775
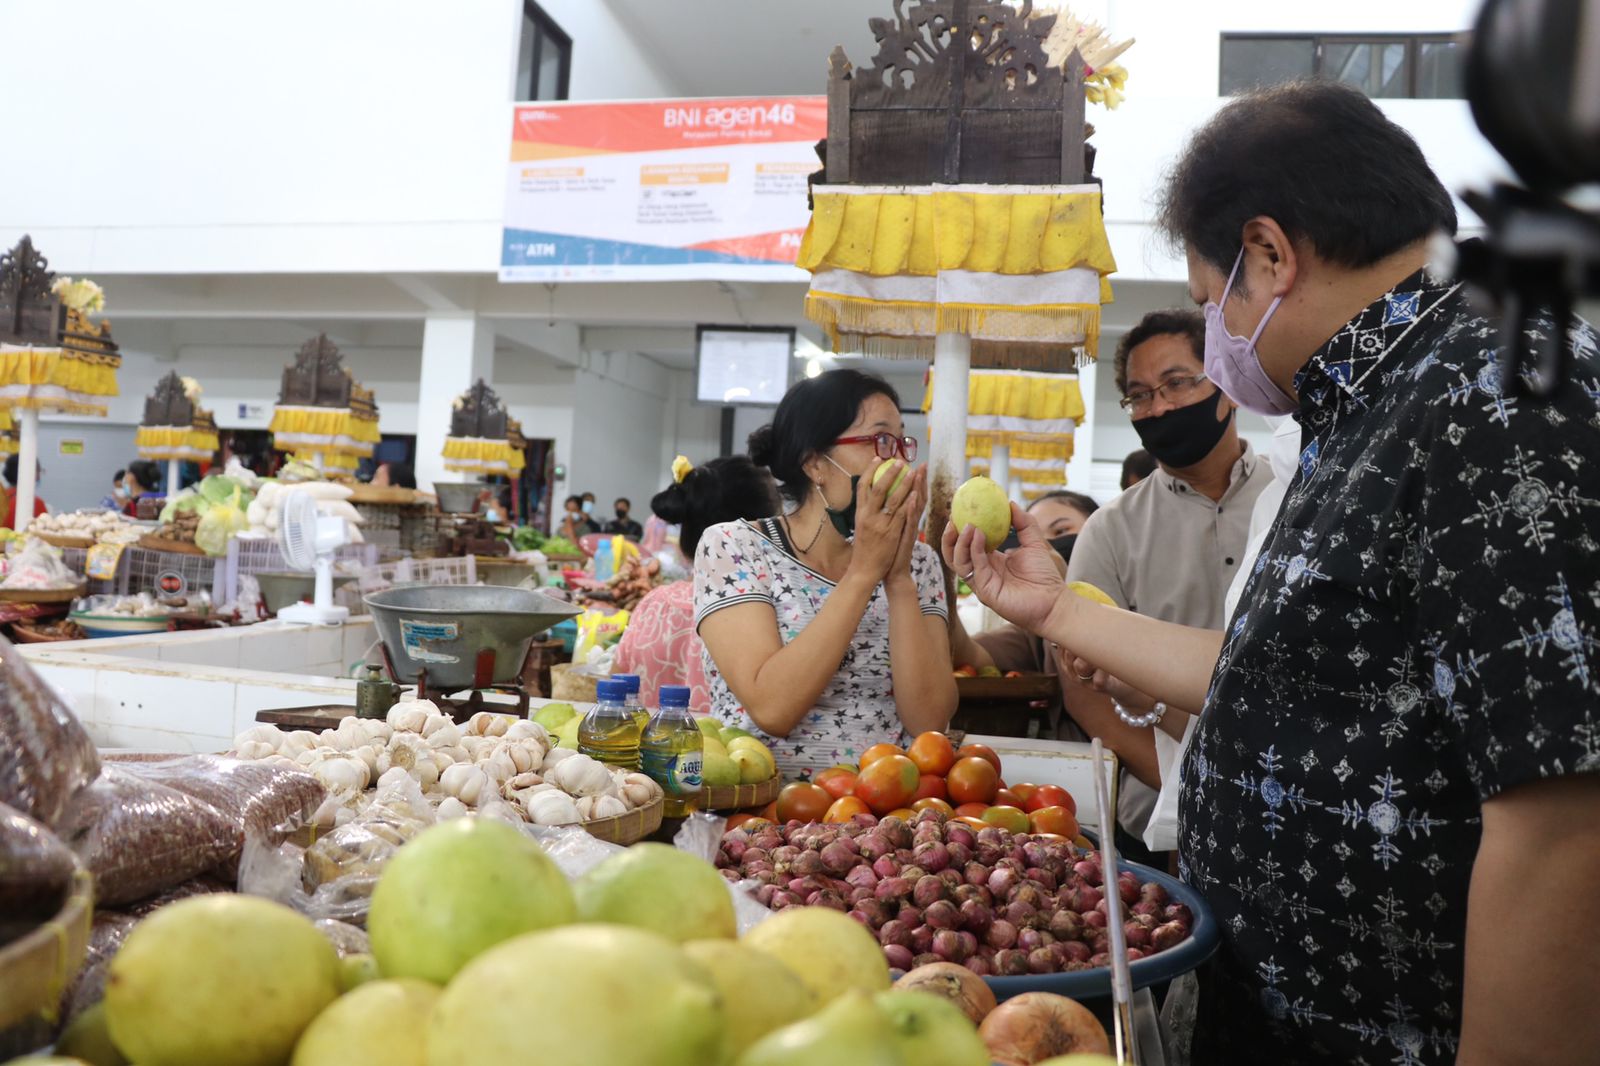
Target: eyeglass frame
895,447
1185,382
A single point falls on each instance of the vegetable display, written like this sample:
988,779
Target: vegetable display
934,889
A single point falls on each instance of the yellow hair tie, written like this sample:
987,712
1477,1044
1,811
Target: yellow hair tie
681,468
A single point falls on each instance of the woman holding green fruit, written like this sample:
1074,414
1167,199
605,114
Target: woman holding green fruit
825,626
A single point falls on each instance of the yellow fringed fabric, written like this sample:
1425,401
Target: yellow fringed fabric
920,232
176,442
328,431
475,455
333,462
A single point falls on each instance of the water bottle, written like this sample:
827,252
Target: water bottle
673,749
604,566
609,732
634,704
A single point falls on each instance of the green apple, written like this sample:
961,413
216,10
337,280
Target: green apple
357,970
567,735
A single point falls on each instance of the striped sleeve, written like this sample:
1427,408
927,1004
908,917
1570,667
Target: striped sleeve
730,568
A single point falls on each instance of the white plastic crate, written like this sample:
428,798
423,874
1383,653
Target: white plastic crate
376,578
169,573
262,555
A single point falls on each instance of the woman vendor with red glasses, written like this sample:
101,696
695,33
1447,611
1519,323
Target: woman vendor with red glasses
824,626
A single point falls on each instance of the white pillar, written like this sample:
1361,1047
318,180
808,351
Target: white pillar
1081,464
457,350
27,464
172,478
947,426
1000,467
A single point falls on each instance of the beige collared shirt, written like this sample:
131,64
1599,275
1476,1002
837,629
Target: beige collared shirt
1165,551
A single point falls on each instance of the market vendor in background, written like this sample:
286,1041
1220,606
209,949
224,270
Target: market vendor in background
142,479
575,522
39,507
622,524
1390,799
116,499
825,626
660,644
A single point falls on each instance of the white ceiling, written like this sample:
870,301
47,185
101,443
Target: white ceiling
751,47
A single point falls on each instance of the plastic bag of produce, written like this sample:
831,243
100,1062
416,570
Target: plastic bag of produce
701,835
263,799
38,566
334,876
45,755
35,870
187,500
598,629
219,524
139,837
346,939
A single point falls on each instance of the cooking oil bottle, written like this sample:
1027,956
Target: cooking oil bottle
673,749
633,703
608,732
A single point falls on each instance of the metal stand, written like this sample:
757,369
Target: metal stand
27,464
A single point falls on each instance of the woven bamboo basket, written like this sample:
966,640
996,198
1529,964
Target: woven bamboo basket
65,595
61,540
36,969
571,687
628,828
738,797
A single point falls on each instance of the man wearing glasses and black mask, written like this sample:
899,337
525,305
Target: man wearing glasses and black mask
1169,546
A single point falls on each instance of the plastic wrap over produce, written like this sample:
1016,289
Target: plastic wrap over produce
45,755
335,875
138,837
35,871
265,799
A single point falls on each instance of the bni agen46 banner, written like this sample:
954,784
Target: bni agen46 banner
663,190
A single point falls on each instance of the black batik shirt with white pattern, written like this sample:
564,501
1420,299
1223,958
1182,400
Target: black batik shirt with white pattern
1420,632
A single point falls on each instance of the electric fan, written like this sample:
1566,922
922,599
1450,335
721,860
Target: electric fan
308,541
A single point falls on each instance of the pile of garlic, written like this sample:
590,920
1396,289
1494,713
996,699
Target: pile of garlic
494,758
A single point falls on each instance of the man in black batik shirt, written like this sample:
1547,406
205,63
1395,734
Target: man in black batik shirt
1392,799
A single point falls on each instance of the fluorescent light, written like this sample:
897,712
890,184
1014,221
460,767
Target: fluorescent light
813,367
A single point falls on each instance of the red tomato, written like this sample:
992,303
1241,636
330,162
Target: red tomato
1056,820
982,751
1004,797
972,780
770,811
887,783
836,781
965,671
746,818
1010,818
845,809
1050,796
876,752
972,810
930,786
975,823
932,803
933,753
902,812
803,802
1023,792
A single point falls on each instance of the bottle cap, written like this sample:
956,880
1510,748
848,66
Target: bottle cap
674,695
631,680
612,691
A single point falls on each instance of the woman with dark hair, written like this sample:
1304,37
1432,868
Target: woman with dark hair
660,643
142,479
825,626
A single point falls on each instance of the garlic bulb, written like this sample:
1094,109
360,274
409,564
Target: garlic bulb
341,773
405,749
524,756
554,756
451,808
499,767
349,735
522,781
447,735
580,776
525,729
270,735
608,807
391,777
368,754
464,782
585,805
254,749
489,724
639,790
551,807
407,717
435,722
428,769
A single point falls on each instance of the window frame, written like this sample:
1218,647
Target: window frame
545,31
1319,41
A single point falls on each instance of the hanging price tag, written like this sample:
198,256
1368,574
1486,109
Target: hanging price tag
103,560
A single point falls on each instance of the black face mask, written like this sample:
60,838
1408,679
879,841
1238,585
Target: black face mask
1063,545
1184,435
622,516
844,519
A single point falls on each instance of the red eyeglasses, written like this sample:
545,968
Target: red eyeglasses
887,445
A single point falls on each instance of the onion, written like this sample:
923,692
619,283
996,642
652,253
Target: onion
1179,912
896,831
1082,898
784,855
1143,907
1153,892
1041,960
952,879
865,821
1095,919
927,958
1065,925
976,873
964,892
1074,950
1135,935
1036,1026
955,833
929,890
1128,889
893,888
947,944
1010,963
1001,882
783,899
877,912
898,957
942,914
1001,934
960,854
1134,954
1020,914
861,877
979,966
875,846
895,931
976,917
1088,870
886,866
765,893
932,855
961,985
922,939
839,858
969,943
911,914
912,872
1168,935
808,863
1041,877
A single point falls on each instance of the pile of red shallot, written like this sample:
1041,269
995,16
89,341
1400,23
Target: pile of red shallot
933,890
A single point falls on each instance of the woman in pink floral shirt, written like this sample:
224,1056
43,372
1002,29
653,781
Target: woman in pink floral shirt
660,643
